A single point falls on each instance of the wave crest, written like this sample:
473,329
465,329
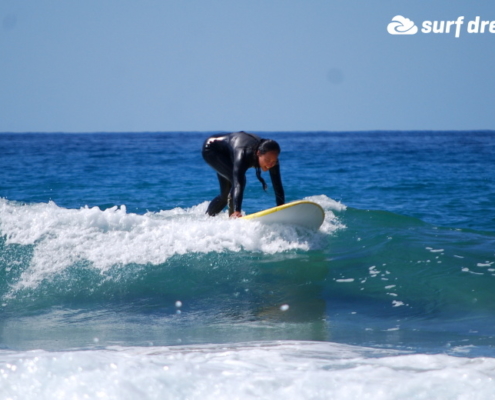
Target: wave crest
63,237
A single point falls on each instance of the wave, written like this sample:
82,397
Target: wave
43,241
363,261
296,370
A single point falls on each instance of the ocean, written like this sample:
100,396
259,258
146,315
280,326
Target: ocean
114,284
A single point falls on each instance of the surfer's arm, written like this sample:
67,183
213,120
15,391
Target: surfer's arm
277,184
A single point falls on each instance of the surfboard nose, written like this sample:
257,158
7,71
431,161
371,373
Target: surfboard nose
303,213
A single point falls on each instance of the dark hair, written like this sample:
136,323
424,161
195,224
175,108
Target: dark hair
265,146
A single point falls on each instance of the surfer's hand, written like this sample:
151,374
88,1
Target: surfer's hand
236,214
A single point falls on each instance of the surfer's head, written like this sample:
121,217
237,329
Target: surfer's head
268,152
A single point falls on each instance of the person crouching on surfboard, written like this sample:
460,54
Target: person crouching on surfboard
230,155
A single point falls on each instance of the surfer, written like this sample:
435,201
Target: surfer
230,155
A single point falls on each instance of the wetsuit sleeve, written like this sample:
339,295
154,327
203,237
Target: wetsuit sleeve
277,184
239,179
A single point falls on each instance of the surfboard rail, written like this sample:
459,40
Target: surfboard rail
301,212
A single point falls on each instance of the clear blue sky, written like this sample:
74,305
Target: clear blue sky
259,65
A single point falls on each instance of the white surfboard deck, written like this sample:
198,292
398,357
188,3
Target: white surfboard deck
302,213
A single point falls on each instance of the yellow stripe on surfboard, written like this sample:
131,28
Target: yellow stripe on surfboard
314,220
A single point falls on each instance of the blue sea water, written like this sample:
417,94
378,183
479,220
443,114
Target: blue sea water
115,284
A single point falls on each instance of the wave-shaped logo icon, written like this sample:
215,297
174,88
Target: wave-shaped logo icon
402,26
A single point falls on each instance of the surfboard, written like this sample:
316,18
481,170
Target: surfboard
301,213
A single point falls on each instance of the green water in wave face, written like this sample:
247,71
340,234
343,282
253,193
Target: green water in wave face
399,280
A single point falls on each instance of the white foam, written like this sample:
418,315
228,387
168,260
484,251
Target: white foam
432,250
285,370
485,264
327,203
63,237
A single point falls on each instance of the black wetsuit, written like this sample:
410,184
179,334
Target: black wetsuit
231,155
